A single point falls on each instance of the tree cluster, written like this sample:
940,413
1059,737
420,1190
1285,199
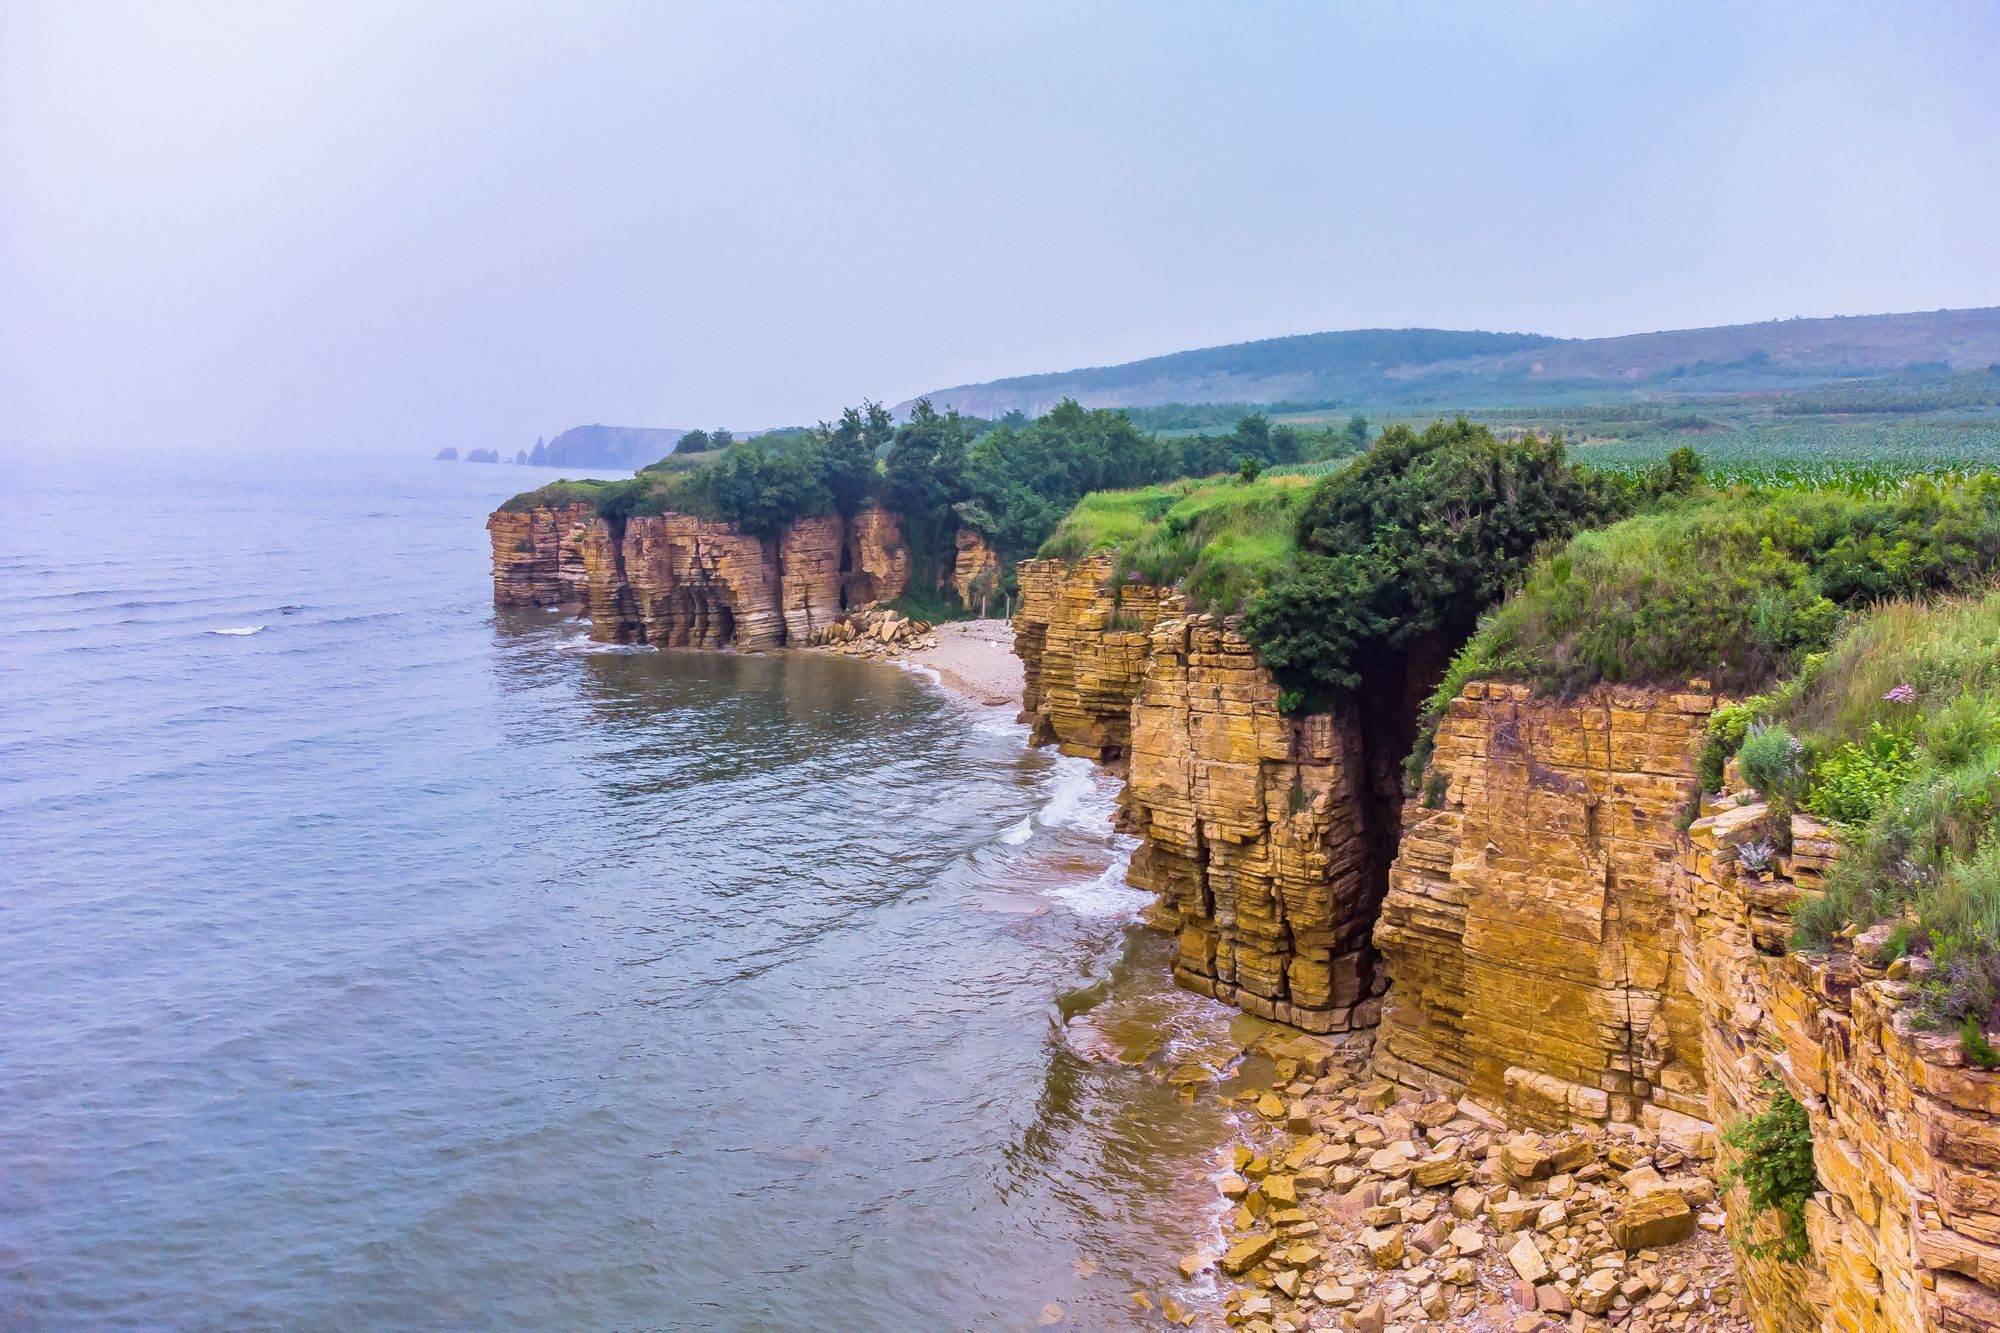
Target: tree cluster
1418,537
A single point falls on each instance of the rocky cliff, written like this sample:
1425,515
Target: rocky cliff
975,574
1905,1227
538,555
1256,832
1551,945
1083,637
680,581
1261,834
1527,928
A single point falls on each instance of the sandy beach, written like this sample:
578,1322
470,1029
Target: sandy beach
975,658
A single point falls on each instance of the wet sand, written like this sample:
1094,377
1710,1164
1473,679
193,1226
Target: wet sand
974,658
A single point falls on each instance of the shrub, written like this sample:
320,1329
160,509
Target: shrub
1978,1050
1902,714
1771,760
1850,783
1419,535
1757,856
1772,1161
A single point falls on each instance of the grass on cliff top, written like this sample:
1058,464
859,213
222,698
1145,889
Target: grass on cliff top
1733,586
1220,539
556,493
1739,587
1893,735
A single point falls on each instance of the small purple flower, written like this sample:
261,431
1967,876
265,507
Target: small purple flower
1902,694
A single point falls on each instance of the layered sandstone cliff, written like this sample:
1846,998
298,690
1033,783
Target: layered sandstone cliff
538,555
1905,1229
1256,836
1552,944
1528,929
681,581
1083,637
1259,832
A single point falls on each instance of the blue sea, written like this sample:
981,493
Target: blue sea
372,959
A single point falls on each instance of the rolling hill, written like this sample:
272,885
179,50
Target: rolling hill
1456,368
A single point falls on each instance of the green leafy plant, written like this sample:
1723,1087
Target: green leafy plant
1978,1050
1850,782
1771,1158
1772,760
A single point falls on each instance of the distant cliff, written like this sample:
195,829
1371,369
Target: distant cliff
680,581
612,448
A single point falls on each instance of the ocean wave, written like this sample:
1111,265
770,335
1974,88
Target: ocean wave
238,630
597,648
1019,833
1106,895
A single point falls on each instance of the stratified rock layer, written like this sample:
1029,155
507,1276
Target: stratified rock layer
1527,928
680,581
975,574
538,555
1905,1228
1082,638
1255,832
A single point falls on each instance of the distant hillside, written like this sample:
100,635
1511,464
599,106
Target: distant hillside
1447,367
606,447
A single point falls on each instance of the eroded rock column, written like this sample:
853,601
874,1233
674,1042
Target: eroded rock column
1255,835
1528,926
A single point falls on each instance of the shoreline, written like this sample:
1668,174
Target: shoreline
971,660
975,660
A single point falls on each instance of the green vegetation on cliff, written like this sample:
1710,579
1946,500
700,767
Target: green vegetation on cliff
1221,540
1417,538
1732,586
1012,481
1893,735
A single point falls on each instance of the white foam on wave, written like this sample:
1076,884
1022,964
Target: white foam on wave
1085,797
237,631
593,647
919,669
1106,895
1019,833
1074,780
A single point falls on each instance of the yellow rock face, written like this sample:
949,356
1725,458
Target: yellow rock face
538,555
686,582
1906,1228
1528,927
1253,831
975,573
1083,642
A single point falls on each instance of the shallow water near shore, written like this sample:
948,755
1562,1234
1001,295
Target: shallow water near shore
374,958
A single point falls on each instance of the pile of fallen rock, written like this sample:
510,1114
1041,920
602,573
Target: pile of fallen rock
1363,1206
876,631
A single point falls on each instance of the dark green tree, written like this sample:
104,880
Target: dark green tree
923,477
845,461
1417,537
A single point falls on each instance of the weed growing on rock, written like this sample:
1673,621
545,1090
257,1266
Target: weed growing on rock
1772,1160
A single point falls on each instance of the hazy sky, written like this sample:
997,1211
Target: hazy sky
399,226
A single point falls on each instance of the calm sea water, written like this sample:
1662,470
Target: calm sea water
372,959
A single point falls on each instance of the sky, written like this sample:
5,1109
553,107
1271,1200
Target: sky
391,227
